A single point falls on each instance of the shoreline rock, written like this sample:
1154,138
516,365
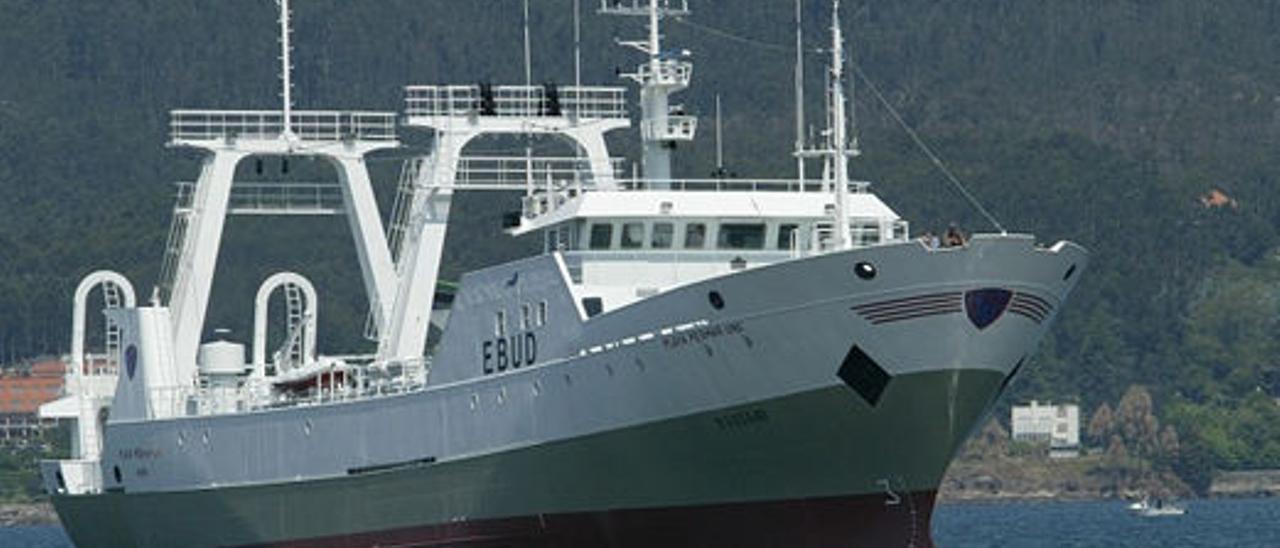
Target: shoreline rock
32,513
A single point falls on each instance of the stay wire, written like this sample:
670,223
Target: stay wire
937,161
875,90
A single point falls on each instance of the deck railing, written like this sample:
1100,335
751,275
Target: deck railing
517,171
277,198
516,101
308,125
354,383
734,185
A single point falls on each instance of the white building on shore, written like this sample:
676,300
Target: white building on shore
1056,425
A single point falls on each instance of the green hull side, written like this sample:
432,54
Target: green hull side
827,442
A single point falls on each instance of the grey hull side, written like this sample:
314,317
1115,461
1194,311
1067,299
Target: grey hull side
812,445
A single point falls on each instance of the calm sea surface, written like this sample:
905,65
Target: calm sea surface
1239,523
1246,523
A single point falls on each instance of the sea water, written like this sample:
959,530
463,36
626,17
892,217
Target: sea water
1234,523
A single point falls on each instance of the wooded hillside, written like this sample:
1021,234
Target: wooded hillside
1110,123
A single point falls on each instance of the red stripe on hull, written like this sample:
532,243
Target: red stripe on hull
866,520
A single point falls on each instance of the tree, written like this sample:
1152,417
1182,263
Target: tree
1117,460
1101,425
1169,448
1138,425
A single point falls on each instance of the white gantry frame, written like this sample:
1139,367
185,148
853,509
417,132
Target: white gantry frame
92,384
458,114
300,327
341,138
117,292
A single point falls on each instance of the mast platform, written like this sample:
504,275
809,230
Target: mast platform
553,107
264,131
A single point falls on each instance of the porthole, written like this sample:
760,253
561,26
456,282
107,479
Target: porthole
865,270
717,301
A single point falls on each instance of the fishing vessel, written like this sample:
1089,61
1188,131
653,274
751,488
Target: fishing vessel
716,362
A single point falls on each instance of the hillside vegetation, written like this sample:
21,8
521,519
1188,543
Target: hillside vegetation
1110,123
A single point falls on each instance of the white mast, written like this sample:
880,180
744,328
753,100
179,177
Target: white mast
839,151
528,64
286,71
799,77
577,44
659,77
528,84
719,142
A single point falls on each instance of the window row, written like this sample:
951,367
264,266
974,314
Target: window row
530,318
691,235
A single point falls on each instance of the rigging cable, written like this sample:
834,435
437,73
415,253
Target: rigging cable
875,90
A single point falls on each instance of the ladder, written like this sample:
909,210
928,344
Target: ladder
114,299
406,188
173,247
178,250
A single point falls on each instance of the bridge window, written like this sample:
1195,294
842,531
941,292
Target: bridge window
632,235
526,317
601,236
695,235
866,233
786,235
741,236
663,234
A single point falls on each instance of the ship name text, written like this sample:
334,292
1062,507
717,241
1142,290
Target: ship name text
514,352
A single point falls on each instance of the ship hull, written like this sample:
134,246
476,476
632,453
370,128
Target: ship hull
820,468
796,404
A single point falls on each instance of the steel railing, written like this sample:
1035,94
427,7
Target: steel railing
516,101
516,171
281,198
359,382
308,125
733,185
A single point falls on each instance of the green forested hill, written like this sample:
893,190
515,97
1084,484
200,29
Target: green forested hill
1099,121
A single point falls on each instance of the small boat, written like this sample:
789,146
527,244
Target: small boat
1156,508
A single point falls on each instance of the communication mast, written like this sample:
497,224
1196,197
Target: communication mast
286,70
838,147
662,125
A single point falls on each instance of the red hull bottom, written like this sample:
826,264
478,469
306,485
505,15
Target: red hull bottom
867,520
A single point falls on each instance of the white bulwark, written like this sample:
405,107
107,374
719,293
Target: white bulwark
1057,425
